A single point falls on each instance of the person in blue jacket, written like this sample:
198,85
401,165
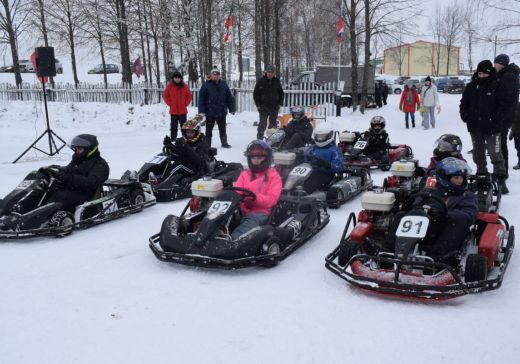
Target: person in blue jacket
324,156
215,99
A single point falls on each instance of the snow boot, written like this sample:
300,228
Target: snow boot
517,166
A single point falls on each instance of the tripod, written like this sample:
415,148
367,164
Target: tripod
49,132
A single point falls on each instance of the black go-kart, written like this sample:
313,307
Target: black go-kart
25,212
479,265
200,236
355,144
171,180
343,187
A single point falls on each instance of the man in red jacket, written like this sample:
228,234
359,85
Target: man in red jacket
177,96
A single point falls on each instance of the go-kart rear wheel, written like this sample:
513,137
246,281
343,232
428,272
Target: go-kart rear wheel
272,246
476,268
347,249
62,219
137,197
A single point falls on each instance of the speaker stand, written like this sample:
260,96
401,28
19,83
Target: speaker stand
53,148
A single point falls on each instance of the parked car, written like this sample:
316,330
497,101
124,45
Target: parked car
401,79
454,86
396,88
25,65
109,68
441,83
59,66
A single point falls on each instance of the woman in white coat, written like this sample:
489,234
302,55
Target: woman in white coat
429,101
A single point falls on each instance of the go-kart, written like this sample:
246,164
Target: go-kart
200,236
343,187
25,212
171,180
355,144
479,265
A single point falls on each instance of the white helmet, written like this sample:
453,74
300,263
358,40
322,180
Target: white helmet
323,135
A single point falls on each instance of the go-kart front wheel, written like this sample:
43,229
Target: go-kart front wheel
272,246
62,219
476,268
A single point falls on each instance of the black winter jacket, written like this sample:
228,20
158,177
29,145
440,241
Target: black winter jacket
461,207
268,93
88,174
215,99
196,154
302,126
508,76
482,105
376,141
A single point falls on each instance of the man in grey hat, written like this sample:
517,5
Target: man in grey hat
268,96
507,74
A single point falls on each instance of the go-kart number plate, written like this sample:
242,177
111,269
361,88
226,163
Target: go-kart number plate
158,159
361,144
24,184
413,227
300,171
219,207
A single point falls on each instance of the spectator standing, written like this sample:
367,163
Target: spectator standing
177,96
384,92
507,74
409,103
215,99
378,94
268,97
515,134
429,101
481,108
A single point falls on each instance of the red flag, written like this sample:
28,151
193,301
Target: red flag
340,29
138,67
35,66
229,22
226,37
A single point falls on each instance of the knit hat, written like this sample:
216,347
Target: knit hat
215,70
176,73
486,66
428,79
270,68
502,59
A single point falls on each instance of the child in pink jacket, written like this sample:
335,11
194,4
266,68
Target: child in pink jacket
263,181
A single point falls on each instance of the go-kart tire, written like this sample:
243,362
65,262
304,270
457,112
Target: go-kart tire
347,249
272,246
62,218
385,168
137,197
476,268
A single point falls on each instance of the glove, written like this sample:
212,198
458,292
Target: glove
180,142
64,178
433,212
322,163
401,107
232,113
167,140
511,136
418,107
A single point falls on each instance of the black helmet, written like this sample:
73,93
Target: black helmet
259,148
297,112
450,167
377,124
88,142
448,145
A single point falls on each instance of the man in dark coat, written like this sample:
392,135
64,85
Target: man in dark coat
482,109
83,176
515,134
507,74
298,131
215,99
378,94
268,96
384,92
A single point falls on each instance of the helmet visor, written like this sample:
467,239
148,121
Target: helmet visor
444,146
79,141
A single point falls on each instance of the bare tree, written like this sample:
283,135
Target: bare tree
12,21
453,24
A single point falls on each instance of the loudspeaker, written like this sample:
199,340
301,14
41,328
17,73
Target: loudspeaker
45,62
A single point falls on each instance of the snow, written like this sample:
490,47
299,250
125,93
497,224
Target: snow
101,296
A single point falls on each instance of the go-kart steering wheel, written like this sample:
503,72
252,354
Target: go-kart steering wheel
424,196
170,150
247,195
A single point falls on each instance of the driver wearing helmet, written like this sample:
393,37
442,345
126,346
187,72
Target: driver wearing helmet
192,148
261,179
324,156
377,138
448,145
298,131
83,176
449,230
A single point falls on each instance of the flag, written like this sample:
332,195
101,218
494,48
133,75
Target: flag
35,66
138,67
228,24
340,29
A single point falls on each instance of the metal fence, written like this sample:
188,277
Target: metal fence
144,94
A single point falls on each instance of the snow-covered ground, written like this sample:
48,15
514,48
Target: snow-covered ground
100,295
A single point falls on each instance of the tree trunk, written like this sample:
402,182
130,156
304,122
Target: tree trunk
258,38
72,46
239,47
353,52
12,42
141,36
148,52
123,41
368,31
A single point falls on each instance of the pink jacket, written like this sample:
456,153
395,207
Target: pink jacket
267,186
